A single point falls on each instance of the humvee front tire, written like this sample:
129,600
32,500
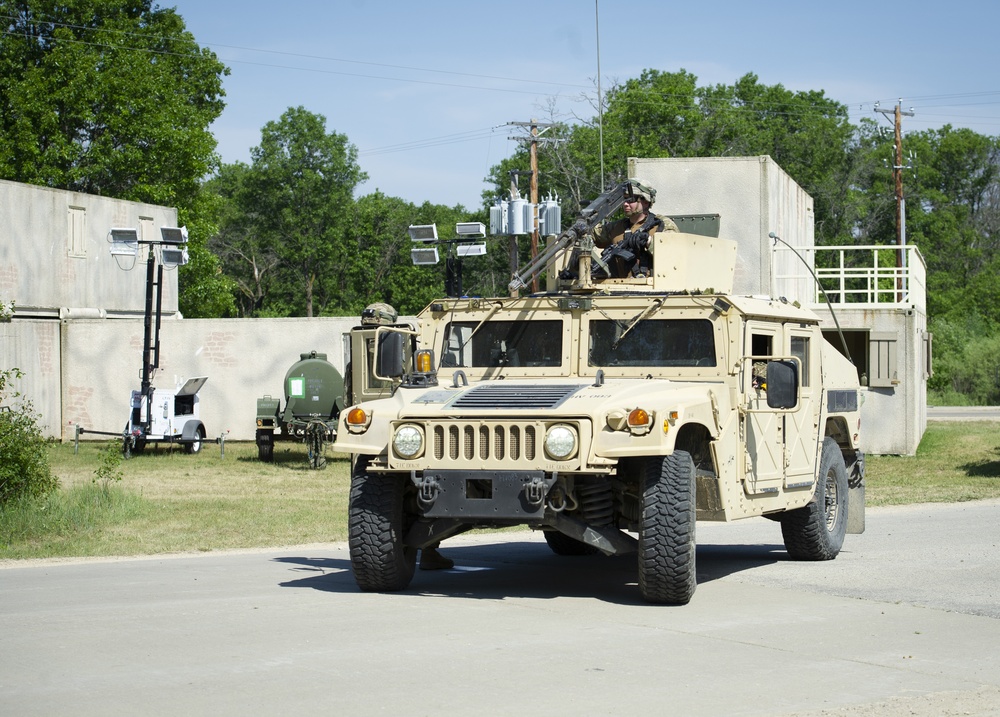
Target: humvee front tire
377,523
816,531
666,530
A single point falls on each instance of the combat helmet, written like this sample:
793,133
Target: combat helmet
635,188
379,314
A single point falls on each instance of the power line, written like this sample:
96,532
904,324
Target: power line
299,55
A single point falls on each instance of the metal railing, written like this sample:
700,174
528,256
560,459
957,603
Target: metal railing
876,275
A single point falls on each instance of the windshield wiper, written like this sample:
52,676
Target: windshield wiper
644,314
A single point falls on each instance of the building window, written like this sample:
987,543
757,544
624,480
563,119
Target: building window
77,232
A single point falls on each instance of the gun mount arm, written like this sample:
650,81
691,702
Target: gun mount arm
592,215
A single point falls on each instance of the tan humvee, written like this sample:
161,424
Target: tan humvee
608,414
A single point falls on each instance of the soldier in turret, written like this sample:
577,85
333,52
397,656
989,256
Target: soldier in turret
626,241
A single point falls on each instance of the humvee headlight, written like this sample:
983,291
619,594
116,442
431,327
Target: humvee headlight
560,442
408,441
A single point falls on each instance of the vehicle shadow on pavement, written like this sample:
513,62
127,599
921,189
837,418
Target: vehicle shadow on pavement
530,570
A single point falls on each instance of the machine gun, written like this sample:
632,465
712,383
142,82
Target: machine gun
576,237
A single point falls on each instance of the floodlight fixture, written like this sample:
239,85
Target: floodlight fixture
174,235
124,241
124,246
424,256
173,257
477,249
423,232
470,229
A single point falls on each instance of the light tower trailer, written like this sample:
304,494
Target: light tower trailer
165,415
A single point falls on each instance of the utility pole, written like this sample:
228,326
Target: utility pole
533,125
897,169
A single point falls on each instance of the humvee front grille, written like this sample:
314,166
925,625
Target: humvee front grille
485,443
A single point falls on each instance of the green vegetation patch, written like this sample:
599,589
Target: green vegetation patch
956,461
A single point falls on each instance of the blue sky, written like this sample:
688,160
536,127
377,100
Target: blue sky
424,89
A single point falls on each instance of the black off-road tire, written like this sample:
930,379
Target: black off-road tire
562,544
816,531
666,531
265,449
377,523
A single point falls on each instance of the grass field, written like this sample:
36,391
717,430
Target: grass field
168,501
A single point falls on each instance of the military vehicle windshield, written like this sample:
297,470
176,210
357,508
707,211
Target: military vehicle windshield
654,342
503,343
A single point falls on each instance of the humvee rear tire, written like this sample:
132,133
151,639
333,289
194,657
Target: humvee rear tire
816,531
666,530
562,544
377,523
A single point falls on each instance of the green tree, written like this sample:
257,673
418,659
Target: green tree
247,257
296,199
205,292
106,97
666,114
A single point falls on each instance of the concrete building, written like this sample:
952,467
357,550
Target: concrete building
878,294
77,330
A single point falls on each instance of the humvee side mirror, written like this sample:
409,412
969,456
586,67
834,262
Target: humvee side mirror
782,384
389,355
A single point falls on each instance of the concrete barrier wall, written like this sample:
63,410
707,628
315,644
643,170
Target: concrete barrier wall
82,372
34,348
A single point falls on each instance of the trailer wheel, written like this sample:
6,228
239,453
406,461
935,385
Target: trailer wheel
265,446
666,530
377,524
816,531
195,445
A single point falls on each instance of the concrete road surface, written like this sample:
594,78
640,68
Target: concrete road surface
963,413
905,622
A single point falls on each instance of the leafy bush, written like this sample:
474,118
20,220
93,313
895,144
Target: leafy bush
24,461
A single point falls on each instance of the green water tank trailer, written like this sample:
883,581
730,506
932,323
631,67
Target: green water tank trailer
314,398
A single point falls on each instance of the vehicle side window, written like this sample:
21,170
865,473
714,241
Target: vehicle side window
760,345
800,350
